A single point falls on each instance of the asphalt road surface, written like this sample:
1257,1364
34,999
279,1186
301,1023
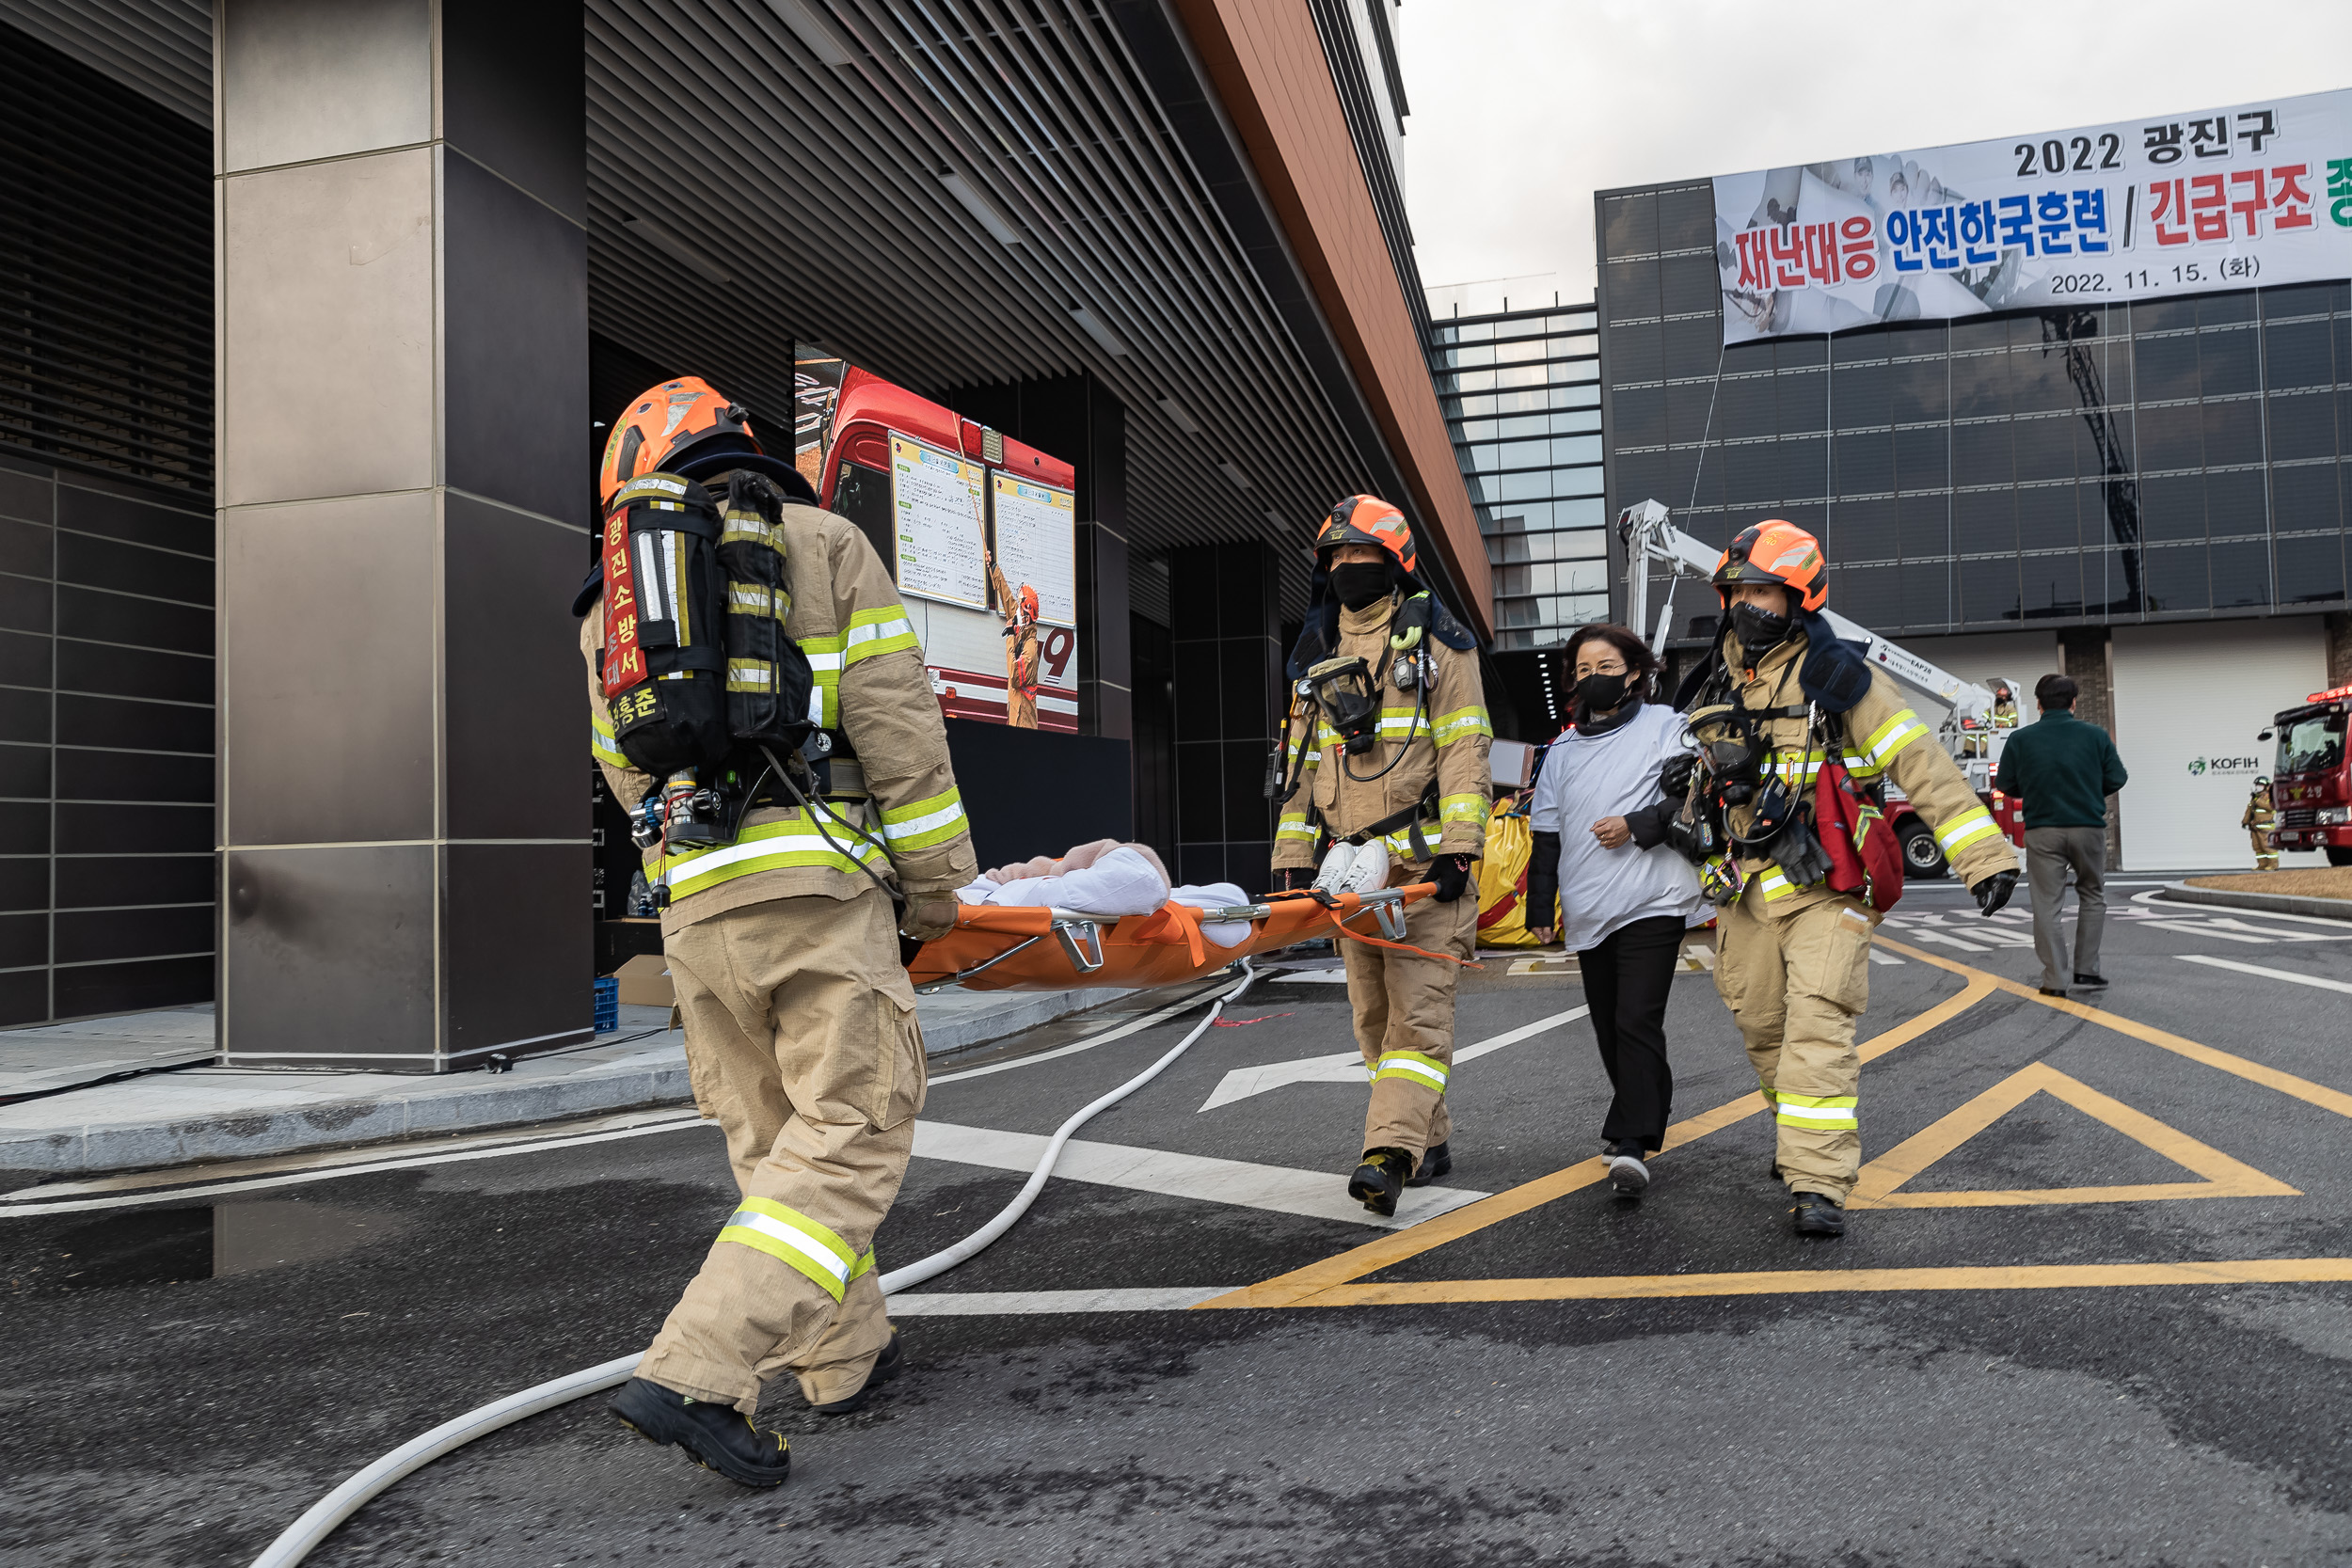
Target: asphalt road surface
2094,1307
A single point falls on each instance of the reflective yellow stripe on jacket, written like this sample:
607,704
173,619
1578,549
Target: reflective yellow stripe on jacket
924,823
1967,828
1293,824
870,634
601,745
767,846
1459,725
1892,737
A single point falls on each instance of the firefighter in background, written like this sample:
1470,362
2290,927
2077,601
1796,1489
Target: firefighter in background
1386,745
1793,957
2261,821
1021,649
801,1035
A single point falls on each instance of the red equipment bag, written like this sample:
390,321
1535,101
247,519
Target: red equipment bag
1866,857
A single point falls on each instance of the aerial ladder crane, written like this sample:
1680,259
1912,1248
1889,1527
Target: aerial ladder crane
1976,717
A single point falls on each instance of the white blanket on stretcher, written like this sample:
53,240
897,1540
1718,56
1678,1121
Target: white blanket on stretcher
1121,882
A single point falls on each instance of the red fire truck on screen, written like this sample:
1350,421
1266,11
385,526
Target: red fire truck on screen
855,482
2310,783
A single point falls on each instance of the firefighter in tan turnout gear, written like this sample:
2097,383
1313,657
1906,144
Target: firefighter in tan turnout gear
1785,709
1386,752
782,943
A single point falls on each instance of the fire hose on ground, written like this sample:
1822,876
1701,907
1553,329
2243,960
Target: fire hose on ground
301,1537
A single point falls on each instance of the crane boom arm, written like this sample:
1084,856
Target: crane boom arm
1650,537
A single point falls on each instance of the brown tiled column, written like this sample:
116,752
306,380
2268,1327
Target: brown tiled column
2088,656
402,321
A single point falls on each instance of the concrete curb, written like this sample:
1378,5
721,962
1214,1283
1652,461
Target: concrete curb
101,1145
2273,903
52,1137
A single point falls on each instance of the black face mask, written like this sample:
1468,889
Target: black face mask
1600,693
1360,583
1759,631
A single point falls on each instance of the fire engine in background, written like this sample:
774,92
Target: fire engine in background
2311,785
1978,719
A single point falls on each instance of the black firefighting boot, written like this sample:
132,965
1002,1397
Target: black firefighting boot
888,1364
1814,1214
1434,1163
1380,1178
715,1436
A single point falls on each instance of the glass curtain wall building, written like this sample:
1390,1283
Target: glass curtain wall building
2165,459
2135,494
1521,395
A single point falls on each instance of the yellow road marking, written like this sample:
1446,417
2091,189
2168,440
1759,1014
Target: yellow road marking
1301,1285
2224,1177
1773,1282
2269,1078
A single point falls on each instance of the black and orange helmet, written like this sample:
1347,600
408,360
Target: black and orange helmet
1778,553
1368,520
1028,602
687,427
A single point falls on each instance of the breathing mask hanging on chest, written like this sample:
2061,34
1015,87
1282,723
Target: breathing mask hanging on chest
1731,751
1343,693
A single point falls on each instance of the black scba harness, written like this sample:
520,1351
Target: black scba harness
1734,767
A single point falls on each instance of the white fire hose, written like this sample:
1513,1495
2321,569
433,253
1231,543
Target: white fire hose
320,1521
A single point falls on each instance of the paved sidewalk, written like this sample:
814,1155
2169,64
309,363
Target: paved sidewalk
211,1113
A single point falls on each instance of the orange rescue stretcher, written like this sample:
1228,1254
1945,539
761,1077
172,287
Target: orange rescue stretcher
999,947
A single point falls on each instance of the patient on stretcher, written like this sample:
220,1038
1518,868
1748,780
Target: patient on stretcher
1106,878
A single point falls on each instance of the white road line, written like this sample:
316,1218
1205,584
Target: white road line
1879,957
177,1194
2266,974
1120,1033
2204,929
1315,1194
1347,1066
961,1303
1947,940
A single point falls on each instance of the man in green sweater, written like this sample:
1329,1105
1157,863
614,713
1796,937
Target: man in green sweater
2065,769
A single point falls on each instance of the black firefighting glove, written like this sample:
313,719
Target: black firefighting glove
1994,890
1674,780
1451,875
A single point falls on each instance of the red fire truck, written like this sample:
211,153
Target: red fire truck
2311,785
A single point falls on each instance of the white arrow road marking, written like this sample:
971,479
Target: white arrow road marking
2267,973
1347,1066
1316,1193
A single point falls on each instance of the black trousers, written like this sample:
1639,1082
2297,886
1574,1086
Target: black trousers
1626,976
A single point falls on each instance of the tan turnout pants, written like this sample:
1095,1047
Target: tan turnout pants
801,1043
2266,849
1404,1006
1795,985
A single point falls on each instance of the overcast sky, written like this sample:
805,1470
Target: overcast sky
1522,108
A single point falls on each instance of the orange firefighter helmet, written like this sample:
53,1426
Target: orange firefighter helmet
1778,552
1028,602
669,426
1369,520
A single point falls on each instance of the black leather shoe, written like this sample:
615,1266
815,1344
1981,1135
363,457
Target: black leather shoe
1380,1178
715,1436
1434,1163
887,1366
1813,1214
2091,980
2052,991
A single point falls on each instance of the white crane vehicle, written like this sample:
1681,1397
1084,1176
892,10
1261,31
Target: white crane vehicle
1976,718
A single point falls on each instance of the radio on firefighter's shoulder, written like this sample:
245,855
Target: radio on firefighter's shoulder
1343,690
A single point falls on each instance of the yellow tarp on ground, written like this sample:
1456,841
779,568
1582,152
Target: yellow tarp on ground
1502,879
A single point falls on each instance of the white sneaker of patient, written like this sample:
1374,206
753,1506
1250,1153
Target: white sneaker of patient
1106,878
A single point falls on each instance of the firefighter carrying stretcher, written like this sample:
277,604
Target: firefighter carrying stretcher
1797,734
1385,750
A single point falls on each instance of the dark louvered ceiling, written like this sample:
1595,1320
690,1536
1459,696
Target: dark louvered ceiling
106,303
817,189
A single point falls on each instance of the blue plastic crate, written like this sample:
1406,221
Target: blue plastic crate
607,1003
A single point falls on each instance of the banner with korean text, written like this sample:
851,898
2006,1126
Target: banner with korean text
2180,204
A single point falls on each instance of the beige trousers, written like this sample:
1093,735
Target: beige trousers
802,1044
1794,986
1404,1006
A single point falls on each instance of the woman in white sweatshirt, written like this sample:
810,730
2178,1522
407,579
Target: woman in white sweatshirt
1626,898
